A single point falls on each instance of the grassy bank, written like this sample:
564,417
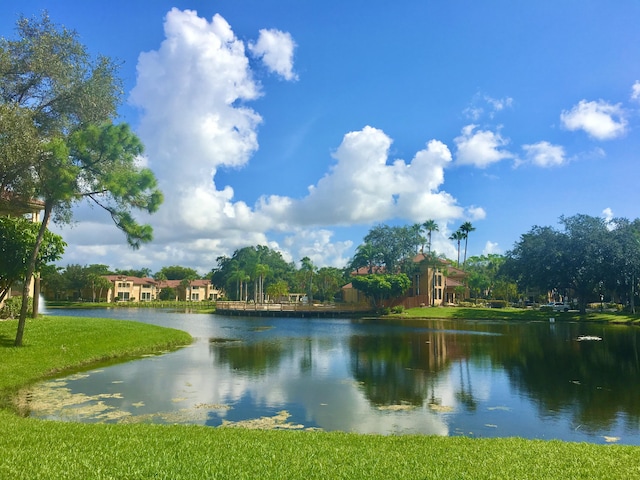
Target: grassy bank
476,313
204,305
35,449
58,344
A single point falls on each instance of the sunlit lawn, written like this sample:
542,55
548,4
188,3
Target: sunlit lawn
473,313
36,449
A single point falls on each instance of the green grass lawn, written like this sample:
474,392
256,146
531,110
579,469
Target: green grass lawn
37,449
476,313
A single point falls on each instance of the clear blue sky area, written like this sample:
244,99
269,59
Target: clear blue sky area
300,125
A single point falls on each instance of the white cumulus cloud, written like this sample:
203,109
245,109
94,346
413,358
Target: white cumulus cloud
480,148
544,154
601,120
193,93
635,91
486,105
275,48
365,186
491,248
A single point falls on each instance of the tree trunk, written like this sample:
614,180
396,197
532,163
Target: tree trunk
632,304
30,270
36,297
3,293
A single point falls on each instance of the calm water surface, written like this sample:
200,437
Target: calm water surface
440,377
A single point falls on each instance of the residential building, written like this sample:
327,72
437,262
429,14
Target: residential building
136,289
195,291
11,206
439,284
131,289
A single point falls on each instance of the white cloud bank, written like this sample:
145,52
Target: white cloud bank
601,120
193,93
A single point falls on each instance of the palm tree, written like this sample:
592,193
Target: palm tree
261,270
416,234
185,283
430,226
238,275
308,268
466,228
458,235
366,256
244,281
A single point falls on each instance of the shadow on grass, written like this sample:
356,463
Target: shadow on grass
6,341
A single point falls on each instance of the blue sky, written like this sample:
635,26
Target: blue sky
300,125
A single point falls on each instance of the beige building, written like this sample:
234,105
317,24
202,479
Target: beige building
131,289
12,207
136,289
440,284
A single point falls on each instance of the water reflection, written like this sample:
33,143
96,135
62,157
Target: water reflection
432,377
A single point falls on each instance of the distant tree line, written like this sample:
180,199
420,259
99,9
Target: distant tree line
259,274
589,258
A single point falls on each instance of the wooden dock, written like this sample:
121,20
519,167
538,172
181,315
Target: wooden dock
245,309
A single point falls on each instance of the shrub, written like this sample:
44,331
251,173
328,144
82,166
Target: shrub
398,309
497,303
12,306
467,304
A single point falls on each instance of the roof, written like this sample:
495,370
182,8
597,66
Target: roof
422,257
128,278
11,204
200,282
452,282
365,270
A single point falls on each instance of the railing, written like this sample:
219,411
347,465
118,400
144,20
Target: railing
290,307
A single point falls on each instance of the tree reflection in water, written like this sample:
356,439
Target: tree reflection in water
397,376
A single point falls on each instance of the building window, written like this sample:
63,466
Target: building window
145,296
195,287
123,296
195,296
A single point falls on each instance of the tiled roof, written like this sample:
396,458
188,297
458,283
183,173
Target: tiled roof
134,280
157,283
365,270
11,204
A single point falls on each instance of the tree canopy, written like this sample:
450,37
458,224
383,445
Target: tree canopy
74,152
17,238
258,263
379,287
389,248
176,272
588,258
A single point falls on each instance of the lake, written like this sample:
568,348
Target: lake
568,381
